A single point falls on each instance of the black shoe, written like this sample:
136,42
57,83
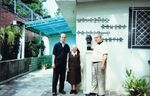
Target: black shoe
75,92
62,92
71,92
92,94
54,94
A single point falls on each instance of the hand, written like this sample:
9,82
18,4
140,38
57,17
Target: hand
81,69
67,69
53,66
102,66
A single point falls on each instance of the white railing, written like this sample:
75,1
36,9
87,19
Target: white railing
24,11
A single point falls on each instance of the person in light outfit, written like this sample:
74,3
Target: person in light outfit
99,62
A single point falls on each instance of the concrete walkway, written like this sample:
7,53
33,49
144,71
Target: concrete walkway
38,83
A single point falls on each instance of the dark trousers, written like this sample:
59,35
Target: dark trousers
58,73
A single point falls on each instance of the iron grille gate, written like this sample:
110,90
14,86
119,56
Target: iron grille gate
139,27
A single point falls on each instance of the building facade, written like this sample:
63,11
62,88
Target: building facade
124,26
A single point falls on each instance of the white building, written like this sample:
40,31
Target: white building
124,25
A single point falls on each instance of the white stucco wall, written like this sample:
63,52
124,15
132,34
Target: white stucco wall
46,44
120,56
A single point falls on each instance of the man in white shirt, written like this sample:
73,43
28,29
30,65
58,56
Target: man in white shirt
99,61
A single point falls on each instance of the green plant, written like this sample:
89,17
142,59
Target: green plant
9,41
21,11
44,66
10,35
6,2
33,47
37,7
2,35
136,86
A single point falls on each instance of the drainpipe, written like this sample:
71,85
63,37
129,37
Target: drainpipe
0,27
149,76
23,41
40,43
15,6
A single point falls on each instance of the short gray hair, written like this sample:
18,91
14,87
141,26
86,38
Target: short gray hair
98,35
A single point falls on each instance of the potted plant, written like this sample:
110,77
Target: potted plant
9,41
33,47
2,36
136,86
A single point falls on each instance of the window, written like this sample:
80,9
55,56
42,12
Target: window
139,27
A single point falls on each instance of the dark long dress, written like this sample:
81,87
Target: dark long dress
74,74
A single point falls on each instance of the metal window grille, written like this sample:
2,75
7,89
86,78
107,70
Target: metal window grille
139,27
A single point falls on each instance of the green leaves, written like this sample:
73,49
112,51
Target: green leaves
2,35
21,11
129,72
37,7
10,41
136,86
11,36
34,47
11,33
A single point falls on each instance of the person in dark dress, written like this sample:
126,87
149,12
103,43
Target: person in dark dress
74,69
59,60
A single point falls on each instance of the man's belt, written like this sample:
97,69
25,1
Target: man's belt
96,62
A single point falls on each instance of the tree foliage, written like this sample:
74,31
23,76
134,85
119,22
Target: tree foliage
136,86
33,47
10,41
37,7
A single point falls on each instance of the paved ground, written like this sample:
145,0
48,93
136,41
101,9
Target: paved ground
37,83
